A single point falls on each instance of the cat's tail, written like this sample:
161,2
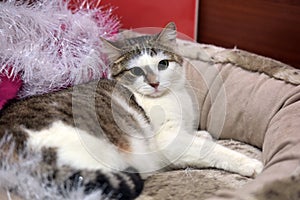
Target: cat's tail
257,63
31,176
69,184
125,185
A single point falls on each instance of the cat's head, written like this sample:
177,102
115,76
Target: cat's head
148,64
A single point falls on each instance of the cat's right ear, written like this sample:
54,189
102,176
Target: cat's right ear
110,49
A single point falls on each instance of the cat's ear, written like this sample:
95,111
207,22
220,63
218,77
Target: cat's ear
168,34
111,49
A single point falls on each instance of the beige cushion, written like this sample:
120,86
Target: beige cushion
250,107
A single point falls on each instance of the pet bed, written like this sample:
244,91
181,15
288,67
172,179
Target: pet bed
247,106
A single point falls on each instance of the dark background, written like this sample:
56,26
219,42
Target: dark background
267,27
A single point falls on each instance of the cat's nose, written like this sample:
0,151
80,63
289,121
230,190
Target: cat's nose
154,85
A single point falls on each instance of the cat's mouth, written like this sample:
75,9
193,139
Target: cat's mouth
153,91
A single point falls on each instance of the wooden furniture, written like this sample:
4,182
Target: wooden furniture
267,27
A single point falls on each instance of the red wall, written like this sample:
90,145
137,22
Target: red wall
155,13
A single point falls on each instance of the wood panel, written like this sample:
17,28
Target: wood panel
266,27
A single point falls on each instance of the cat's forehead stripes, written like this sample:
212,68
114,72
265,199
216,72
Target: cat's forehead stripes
128,55
120,66
137,42
132,48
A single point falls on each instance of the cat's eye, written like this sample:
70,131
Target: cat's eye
137,71
163,64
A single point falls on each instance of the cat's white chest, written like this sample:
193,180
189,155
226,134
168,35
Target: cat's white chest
172,111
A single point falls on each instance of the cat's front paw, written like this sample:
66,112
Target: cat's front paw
251,167
204,134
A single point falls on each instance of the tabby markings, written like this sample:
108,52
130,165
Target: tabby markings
72,149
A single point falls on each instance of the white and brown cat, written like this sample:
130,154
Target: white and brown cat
102,135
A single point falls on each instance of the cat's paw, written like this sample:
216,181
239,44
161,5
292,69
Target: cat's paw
203,134
250,167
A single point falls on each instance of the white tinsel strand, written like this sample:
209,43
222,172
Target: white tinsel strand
52,47
17,176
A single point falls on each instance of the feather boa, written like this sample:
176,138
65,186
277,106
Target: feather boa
51,47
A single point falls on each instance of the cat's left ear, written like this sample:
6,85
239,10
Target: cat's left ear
111,49
168,34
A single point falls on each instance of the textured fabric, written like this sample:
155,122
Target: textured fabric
250,107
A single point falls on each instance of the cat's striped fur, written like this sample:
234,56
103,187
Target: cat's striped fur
102,135
70,107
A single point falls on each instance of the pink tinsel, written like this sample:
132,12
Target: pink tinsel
50,46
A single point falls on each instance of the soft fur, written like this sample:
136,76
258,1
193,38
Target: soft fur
169,104
97,135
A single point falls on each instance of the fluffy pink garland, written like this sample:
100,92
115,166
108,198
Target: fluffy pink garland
51,47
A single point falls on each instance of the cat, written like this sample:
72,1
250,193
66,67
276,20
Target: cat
109,135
